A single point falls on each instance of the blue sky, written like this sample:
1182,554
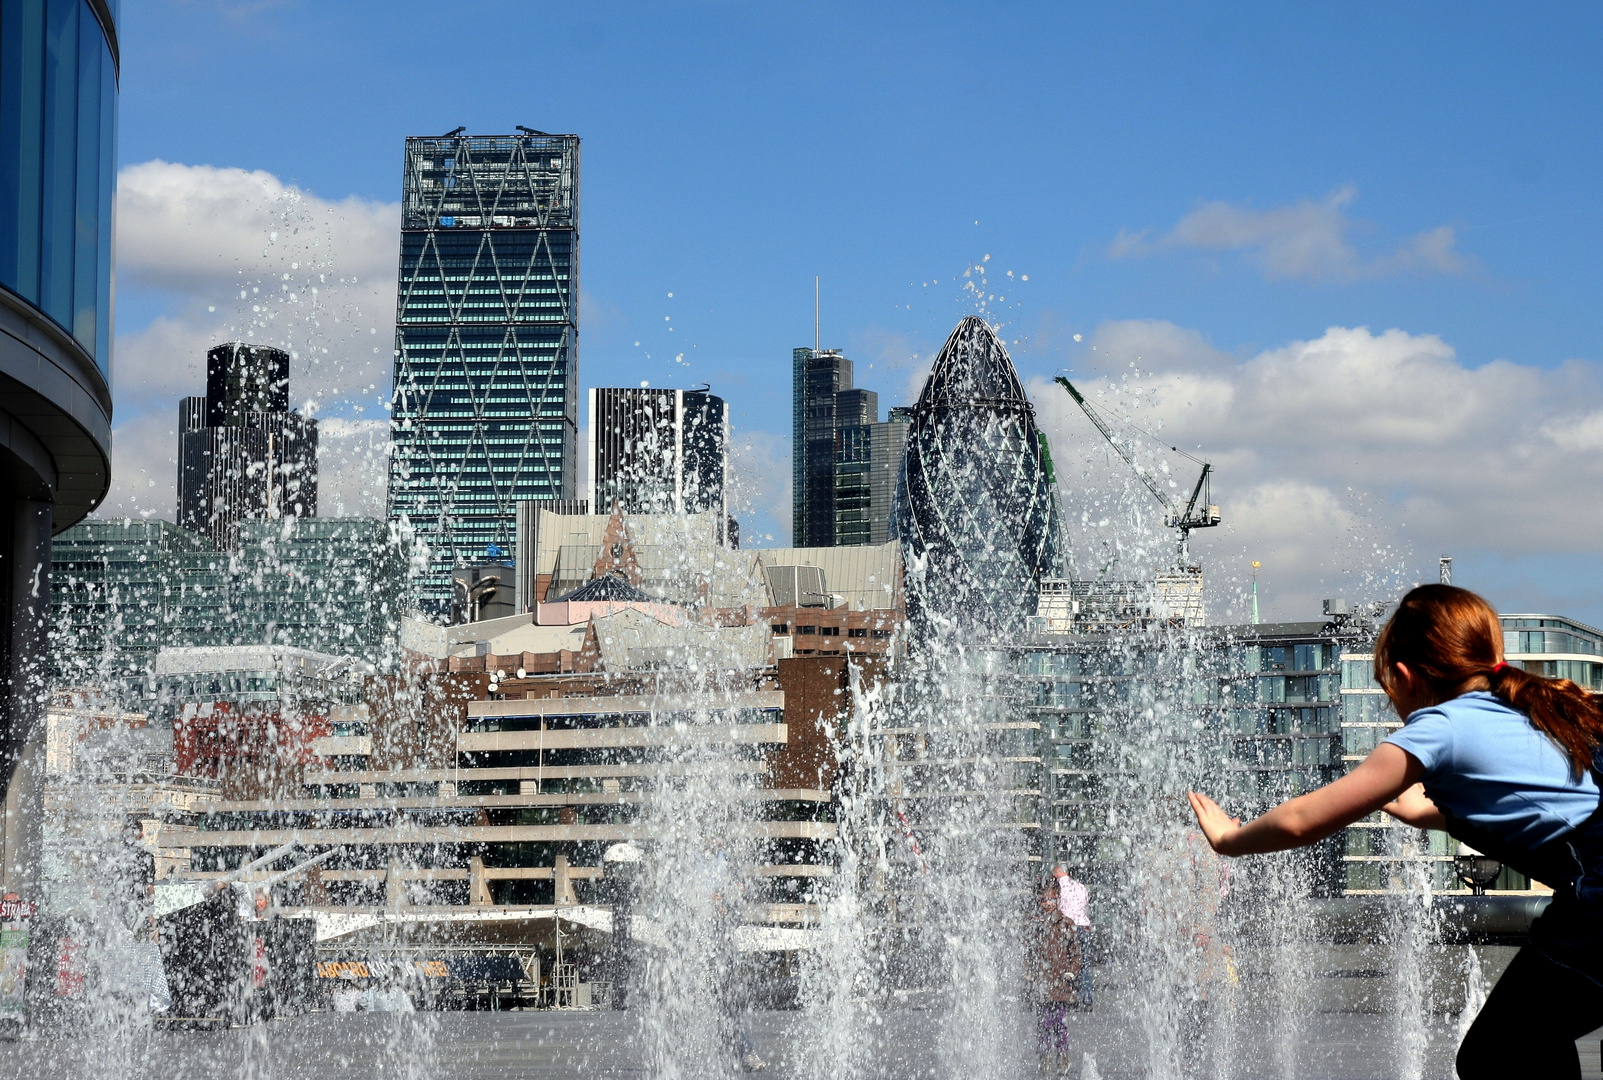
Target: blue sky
1249,178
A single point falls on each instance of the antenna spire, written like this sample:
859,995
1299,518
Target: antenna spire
817,346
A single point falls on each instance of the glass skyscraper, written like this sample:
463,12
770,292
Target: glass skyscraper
844,460
658,451
58,119
485,407
976,508
242,451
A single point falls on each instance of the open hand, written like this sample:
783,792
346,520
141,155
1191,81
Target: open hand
1214,822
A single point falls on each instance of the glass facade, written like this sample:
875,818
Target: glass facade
658,451
122,590
1116,711
58,121
1252,713
975,507
844,461
485,406
817,382
1555,647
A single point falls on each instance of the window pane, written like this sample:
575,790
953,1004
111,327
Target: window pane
60,154
86,216
107,181
22,37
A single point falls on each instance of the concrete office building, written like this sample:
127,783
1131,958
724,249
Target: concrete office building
654,451
243,453
58,118
474,792
486,401
813,601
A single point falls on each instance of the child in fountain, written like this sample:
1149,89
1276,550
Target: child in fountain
1501,759
1074,904
1057,964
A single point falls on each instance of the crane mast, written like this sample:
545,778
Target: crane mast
1195,514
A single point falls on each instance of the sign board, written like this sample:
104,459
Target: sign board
15,915
492,968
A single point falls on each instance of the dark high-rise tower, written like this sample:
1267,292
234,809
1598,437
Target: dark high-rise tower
817,378
485,413
658,451
243,378
838,448
976,509
242,451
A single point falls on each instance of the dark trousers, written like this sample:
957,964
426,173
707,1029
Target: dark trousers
1530,1022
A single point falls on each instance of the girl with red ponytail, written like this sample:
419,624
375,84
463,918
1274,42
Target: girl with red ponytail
1505,761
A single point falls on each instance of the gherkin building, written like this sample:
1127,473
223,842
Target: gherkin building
976,506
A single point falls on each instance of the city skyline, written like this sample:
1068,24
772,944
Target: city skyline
1303,306
430,662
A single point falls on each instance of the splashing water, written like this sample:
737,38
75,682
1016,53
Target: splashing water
1475,991
922,903
1412,931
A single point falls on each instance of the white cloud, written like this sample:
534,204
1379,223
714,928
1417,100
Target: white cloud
1305,240
760,487
144,467
225,254
352,467
1339,458
189,228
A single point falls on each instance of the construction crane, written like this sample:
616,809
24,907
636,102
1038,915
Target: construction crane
1199,511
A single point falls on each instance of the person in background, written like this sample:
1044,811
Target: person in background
1074,904
1056,964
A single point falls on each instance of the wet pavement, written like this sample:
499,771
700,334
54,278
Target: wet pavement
581,1045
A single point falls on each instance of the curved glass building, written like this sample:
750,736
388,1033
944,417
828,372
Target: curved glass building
58,120
976,506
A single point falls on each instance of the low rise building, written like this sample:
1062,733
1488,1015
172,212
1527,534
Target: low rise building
478,783
1128,697
828,601
122,590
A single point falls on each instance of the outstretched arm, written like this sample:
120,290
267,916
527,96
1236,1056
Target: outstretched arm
1377,781
1414,807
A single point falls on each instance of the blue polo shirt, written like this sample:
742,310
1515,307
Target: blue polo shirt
1488,764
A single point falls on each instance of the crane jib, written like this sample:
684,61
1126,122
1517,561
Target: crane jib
1175,518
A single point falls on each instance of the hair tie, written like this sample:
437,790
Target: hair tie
1499,666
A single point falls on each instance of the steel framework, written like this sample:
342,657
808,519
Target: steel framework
976,509
485,408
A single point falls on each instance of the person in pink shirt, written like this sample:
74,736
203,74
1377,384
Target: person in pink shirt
1074,905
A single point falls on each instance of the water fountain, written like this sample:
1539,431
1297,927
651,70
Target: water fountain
911,958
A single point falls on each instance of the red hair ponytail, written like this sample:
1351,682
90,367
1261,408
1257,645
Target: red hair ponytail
1452,639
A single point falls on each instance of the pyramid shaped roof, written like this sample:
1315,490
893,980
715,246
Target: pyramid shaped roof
608,587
